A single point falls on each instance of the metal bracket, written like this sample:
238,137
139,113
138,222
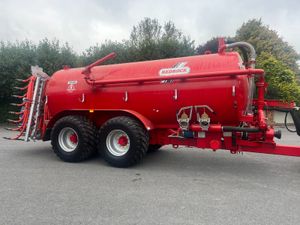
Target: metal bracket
125,98
175,97
82,99
203,106
184,122
204,119
233,91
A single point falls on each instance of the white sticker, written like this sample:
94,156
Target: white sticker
178,69
71,85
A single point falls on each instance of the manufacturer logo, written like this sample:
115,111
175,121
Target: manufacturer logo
178,69
71,85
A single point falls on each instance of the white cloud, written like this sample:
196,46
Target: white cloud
84,23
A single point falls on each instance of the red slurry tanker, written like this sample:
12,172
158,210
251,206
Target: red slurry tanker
125,110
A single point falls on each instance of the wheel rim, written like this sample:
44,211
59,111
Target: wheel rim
68,139
117,142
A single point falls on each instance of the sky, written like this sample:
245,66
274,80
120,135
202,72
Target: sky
83,23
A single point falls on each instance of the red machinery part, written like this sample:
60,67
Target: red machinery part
129,86
24,114
202,101
156,90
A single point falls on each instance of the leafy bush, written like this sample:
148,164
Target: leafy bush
281,80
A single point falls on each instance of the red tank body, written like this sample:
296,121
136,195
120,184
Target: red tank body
157,101
126,110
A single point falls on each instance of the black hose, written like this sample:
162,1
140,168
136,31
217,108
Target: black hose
285,123
287,111
240,129
279,109
245,55
251,49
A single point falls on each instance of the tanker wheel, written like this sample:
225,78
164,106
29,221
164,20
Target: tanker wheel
153,148
73,138
123,141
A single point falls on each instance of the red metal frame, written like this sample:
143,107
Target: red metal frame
101,85
276,149
277,104
27,101
137,90
178,77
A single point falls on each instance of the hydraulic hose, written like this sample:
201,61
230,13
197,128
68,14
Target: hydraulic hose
240,129
251,49
252,53
285,123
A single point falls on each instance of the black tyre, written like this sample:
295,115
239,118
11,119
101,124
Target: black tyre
153,148
74,138
123,141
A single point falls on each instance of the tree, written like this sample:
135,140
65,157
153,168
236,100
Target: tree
281,80
267,40
149,40
276,57
52,56
98,51
212,45
16,59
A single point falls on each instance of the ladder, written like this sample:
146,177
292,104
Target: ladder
31,112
